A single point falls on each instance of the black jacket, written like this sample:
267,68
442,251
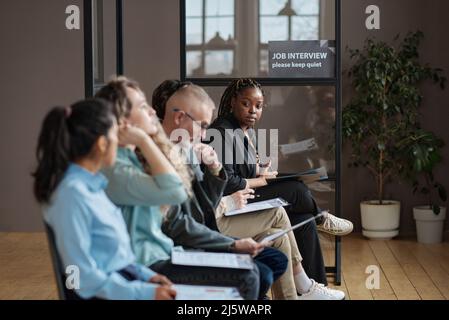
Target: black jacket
236,154
192,224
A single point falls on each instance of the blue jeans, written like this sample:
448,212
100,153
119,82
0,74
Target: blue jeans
272,264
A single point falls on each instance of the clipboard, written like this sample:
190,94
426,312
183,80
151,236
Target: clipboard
194,292
258,206
212,259
279,234
308,176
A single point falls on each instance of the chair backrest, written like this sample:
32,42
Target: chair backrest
58,268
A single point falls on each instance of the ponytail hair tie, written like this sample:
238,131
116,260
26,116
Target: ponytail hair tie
68,112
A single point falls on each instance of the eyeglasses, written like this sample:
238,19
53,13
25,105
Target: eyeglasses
202,125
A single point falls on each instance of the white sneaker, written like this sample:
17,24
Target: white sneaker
335,226
319,292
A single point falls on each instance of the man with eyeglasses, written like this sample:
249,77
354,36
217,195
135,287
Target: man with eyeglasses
186,111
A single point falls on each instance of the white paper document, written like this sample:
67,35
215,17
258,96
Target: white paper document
188,292
257,206
281,233
298,147
212,259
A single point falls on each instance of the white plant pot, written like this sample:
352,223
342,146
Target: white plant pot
380,222
429,226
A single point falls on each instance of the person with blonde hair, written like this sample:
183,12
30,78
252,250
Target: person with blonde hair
185,106
186,120
140,189
74,144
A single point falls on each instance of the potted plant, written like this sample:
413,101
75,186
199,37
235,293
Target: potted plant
382,111
422,152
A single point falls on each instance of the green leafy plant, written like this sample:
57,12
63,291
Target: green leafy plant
385,107
422,153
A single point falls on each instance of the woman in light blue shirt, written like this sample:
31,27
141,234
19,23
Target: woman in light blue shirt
141,192
74,144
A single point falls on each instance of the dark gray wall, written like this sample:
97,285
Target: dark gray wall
152,50
151,64
41,66
45,66
400,16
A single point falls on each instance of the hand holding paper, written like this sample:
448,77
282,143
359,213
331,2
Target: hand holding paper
249,246
240,198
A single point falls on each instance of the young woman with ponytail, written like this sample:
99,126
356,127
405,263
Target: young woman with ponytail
75,143
141,186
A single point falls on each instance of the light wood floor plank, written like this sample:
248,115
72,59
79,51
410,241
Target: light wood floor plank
408,270
26,262
401,285
327,246
432,265
414,271
363,253
354,262
441,251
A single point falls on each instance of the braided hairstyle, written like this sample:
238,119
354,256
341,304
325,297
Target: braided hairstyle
233,90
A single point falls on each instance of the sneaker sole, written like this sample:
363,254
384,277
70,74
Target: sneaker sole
334,233
344,298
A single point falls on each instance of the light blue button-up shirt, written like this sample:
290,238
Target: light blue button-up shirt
140,196
90,234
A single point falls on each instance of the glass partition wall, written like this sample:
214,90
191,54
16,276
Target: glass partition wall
103,42
221,40
226,39
230,38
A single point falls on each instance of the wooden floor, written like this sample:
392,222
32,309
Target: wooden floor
408,270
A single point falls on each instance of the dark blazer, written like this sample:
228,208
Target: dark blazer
192,224
236,154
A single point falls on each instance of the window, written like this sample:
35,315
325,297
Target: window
305,113
286,20
210,37
104,41
229,38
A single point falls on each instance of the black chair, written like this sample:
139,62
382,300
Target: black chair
58,268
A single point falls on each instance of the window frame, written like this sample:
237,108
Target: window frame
204,47
264,46
335,81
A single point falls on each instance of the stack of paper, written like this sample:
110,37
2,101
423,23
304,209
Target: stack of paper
299,147
212,259
187,292
258,206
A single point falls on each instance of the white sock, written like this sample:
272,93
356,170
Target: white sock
303,282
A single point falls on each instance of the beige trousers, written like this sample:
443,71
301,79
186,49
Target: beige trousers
258,225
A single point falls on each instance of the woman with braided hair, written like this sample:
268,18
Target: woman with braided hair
140,188
173,94
240,109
